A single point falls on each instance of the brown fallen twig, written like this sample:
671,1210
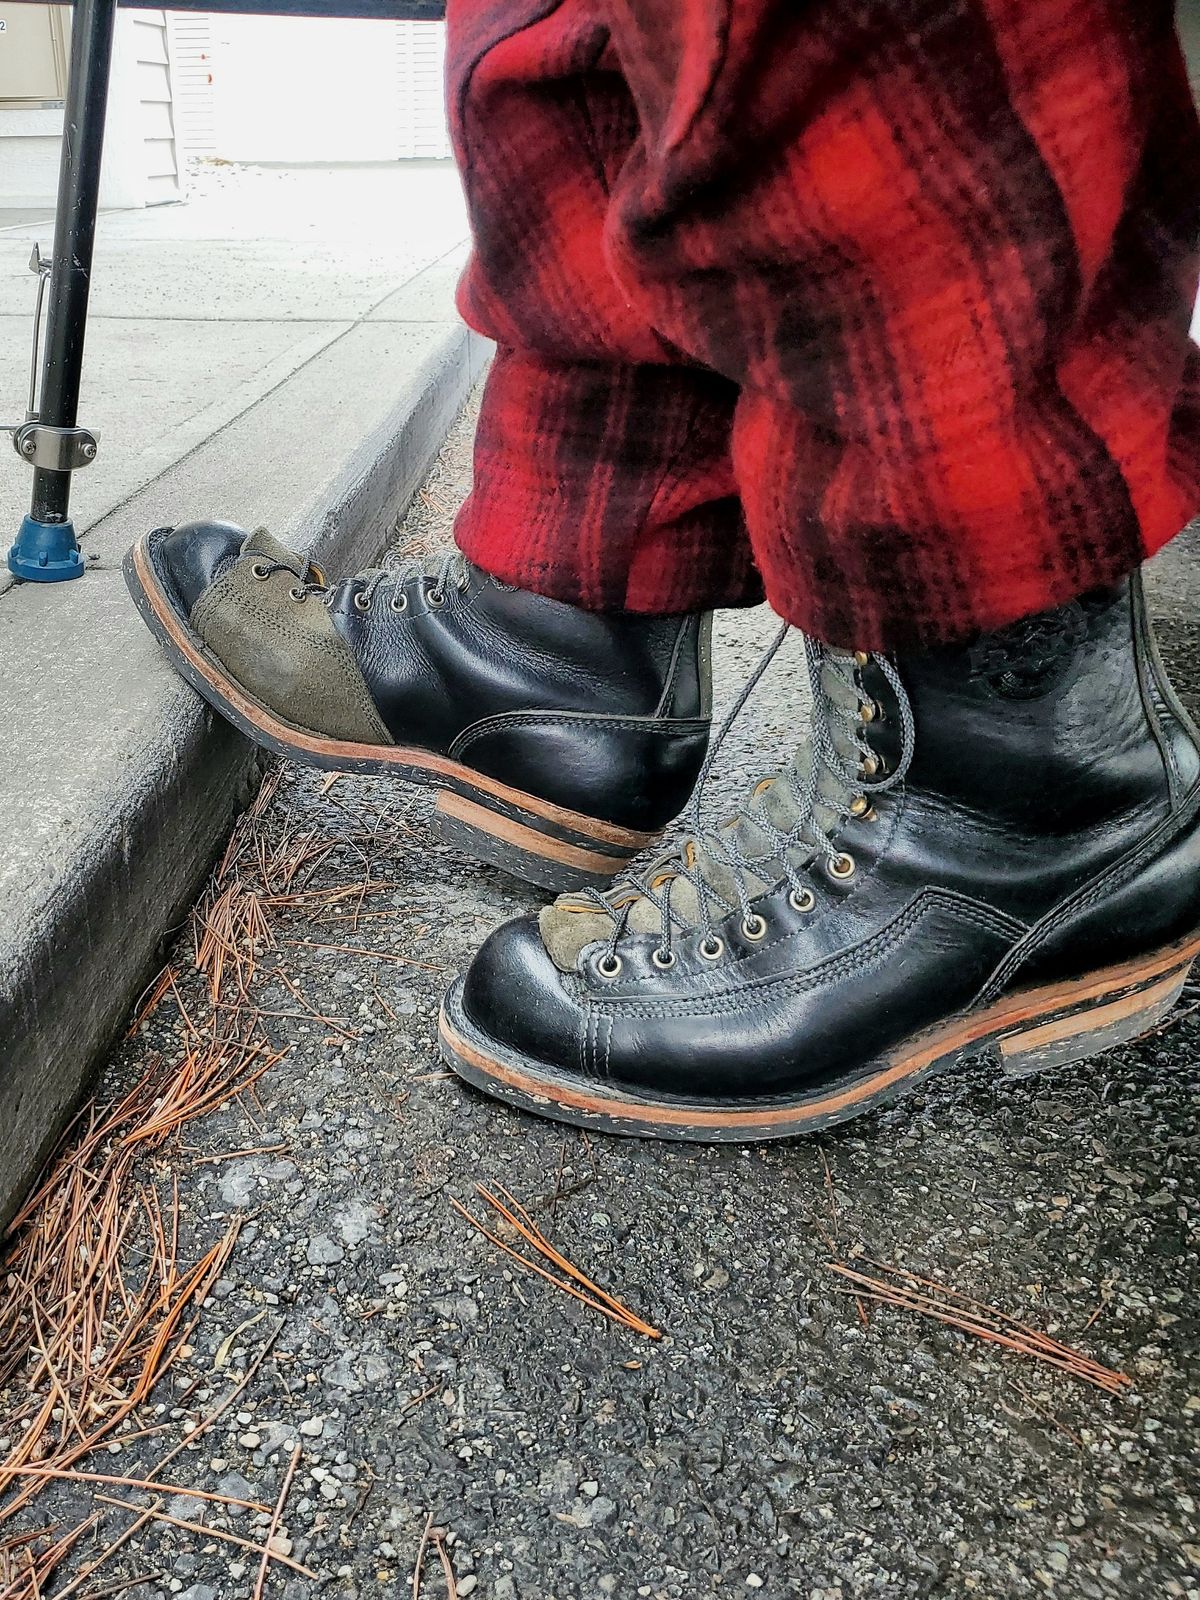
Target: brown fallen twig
149,1002
120,1586
831,1202
117,1482
109,1551
237,1155
419,1565
418,1400
1046,1414
1173,1020
443,1555
357,950
28,1584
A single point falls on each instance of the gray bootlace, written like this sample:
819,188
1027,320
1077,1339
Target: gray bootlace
392,579
787,851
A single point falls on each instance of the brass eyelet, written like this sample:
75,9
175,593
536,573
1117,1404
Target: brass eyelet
609,966
842,867
871,767
861,658
868,711
298,595
400,601
754,927
711,947
664,960
802,900
362,601
261,571
859,806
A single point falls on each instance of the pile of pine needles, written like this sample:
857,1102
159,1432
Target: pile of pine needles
100,1283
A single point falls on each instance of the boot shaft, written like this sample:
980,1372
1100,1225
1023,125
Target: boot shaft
1062,724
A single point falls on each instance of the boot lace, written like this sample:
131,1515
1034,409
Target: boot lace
836,782
390,580
437,573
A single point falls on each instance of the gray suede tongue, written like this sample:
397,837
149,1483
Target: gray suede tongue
262,544
436,564
569,925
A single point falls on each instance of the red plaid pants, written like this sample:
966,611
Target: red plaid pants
878,306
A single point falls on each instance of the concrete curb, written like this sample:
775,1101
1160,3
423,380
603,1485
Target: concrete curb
118,793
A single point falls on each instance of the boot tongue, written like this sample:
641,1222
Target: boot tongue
441,566
267,548
570,924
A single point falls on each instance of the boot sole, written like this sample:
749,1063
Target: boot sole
1027,1032
531,838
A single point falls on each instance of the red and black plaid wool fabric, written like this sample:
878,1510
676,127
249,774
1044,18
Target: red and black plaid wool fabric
880,305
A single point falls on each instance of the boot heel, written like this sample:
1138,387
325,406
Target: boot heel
559,853
1100,1025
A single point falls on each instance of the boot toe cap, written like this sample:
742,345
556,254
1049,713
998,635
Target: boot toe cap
191,556
514,994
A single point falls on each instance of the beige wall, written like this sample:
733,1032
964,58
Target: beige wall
141,163
33,54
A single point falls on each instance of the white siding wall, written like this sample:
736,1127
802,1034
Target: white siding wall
28,156
250,88
308,89
156,124
32,81
190,45
420,62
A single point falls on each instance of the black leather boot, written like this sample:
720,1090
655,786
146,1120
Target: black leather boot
560,741
985,851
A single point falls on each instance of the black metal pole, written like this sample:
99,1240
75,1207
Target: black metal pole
74,234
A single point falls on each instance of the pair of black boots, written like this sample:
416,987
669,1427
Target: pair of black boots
989,849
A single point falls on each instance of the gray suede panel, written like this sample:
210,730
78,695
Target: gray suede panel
287,653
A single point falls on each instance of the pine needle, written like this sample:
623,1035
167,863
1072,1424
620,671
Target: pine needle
572,1281
103,1276
268,1554
909,1291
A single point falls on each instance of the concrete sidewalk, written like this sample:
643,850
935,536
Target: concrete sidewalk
199,311
283,351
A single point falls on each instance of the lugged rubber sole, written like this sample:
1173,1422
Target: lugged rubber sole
534,839
1027,1031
